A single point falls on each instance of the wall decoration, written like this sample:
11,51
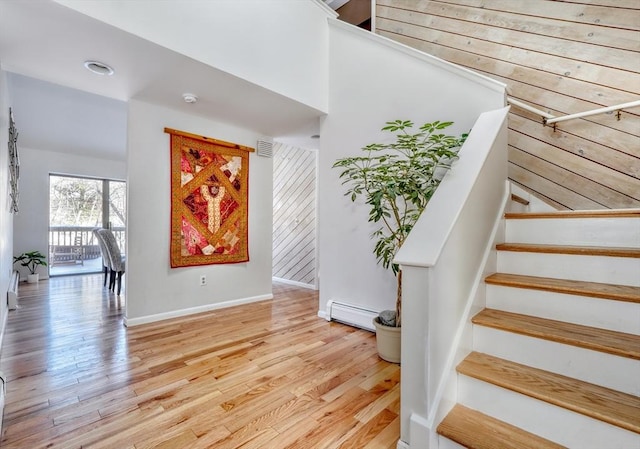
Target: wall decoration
209,200
14,163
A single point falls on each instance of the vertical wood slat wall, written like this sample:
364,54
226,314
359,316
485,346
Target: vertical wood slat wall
294,214
561,56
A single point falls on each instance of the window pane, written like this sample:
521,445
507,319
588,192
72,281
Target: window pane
117,203
117,211
75,202
75,208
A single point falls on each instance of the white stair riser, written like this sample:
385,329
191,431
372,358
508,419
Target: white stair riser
446,443
610,232
610,270
619,316
548,421
607,370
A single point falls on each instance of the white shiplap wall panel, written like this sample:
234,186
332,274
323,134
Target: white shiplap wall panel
294,214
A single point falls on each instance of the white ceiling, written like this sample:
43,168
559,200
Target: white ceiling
59,105
56,118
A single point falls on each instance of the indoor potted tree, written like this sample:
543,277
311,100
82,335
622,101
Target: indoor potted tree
397,180
31,260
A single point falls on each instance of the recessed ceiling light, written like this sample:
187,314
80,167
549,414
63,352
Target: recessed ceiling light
189,98
99,68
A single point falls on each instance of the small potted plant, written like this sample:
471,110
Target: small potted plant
31,260
396,181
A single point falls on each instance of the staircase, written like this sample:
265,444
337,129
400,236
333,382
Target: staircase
556,351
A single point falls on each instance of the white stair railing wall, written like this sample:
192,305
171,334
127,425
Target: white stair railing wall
443,263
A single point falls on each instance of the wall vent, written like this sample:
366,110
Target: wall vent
265,148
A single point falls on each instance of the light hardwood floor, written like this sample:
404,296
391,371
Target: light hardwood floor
267,375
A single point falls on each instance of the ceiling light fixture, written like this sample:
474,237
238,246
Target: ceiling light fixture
99,68
189,98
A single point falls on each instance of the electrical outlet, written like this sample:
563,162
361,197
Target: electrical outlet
203,280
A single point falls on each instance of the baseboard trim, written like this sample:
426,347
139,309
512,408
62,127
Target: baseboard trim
3,325
418,432
296,283
131,322
12,293
3,394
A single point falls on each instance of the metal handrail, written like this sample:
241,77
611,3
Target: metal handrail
526,107
549,119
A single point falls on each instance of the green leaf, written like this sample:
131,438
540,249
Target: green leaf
396,179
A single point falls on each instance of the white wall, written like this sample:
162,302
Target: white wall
450,251
31,223
535,203
154,290
371,84
255,40
6,218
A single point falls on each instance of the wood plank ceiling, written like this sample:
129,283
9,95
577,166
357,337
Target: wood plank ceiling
562,57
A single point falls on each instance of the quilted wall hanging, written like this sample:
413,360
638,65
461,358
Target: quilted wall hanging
209,200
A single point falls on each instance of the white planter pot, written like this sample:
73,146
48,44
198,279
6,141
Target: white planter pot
33,278
388,341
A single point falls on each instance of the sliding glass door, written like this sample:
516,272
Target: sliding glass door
115,207
76,206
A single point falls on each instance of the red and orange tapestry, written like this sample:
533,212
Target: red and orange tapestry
209,200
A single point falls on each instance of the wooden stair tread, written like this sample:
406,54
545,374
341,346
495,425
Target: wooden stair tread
604,404
566,249
476,430
604,213
603,340
519,199
626,293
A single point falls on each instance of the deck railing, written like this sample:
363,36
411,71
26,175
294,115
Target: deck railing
64,249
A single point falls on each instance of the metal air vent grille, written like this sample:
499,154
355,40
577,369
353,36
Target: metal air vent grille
265,148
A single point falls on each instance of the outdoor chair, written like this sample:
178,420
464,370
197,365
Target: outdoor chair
60,254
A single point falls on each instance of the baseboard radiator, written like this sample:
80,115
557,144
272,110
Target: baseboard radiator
12,293
352,315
